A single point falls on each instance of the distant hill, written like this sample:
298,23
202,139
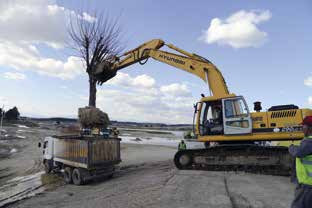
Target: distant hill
151,125
114,123
53,119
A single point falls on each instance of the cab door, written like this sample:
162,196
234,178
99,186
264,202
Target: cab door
48,148
236,116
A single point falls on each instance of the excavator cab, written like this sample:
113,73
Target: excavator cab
237,119
228,116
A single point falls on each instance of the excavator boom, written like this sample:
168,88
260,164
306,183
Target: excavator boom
188,62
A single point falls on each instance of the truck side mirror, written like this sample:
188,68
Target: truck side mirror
39,144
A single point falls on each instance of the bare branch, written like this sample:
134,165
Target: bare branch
95,41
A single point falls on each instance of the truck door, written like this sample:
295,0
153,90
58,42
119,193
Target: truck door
48,148
236,116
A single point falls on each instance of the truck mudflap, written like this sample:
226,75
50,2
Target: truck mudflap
269,160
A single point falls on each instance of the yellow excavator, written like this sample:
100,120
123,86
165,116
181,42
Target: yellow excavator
223,118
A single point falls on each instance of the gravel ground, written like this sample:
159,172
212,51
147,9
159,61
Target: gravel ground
159,184
146,178
21,155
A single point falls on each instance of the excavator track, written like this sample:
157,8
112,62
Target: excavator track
268,160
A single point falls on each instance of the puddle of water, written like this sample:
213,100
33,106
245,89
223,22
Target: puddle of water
22,126
161,141
23,131
13,150
21,187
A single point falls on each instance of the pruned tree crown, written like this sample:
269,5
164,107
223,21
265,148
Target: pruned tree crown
96,41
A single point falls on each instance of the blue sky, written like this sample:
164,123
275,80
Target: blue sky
263,49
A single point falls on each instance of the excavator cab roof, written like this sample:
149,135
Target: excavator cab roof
214,98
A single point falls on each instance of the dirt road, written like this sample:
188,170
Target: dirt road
147,178
161,185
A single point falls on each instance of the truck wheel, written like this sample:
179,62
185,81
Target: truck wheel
77,177
67,174
47,166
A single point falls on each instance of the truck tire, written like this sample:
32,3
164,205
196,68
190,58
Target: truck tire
67,174
77,176
47,166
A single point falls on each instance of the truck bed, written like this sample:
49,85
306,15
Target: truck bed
90,152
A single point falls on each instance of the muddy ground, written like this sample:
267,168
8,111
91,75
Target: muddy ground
146,178
161,185
19,153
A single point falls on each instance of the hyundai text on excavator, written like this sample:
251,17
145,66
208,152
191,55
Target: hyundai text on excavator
222,118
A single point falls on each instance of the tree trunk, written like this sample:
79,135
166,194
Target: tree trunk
92,91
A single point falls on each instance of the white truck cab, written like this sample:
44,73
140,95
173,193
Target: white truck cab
48,148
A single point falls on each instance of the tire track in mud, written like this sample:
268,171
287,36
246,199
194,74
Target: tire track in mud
237,201
20,188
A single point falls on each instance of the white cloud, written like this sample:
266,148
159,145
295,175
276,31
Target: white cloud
88,17
33,21
26,57
125,80
239,30
14,75
176,89
310,100
3,101
146,102
137,106
308,81
26,24
36,21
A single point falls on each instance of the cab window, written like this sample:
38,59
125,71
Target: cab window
235,108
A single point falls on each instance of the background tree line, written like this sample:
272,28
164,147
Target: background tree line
11,114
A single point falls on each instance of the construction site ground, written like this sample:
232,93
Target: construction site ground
161,185
148,178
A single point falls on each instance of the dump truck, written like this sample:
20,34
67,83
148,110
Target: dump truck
81,157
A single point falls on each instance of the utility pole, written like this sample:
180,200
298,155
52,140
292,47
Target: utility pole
2,115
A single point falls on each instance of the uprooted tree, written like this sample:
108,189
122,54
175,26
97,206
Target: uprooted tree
96,40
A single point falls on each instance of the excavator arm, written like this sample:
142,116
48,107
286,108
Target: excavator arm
188,62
